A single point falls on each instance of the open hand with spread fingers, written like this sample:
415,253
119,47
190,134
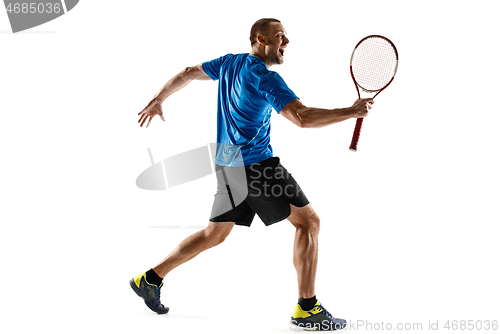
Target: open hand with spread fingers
152,109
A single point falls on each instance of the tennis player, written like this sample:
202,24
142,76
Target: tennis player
248,92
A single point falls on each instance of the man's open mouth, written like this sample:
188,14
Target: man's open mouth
282,52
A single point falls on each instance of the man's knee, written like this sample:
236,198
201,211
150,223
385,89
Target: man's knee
305,218
314,222
218,232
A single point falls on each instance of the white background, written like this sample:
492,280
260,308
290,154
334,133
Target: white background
409,222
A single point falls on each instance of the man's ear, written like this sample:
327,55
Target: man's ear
260,39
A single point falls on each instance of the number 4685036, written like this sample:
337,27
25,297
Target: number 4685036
33,8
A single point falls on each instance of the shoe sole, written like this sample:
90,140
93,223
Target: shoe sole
141,294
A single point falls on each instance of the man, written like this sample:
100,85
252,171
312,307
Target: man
248,92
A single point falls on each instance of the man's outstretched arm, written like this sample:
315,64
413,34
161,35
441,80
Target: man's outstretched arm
179,81
306,117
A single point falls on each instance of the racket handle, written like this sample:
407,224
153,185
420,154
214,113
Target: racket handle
355,135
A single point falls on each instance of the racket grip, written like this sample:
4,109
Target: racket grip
355,135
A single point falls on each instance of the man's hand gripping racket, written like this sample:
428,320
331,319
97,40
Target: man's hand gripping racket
374,63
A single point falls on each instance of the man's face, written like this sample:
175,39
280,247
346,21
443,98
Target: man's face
276,43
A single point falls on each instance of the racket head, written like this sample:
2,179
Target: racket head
374,63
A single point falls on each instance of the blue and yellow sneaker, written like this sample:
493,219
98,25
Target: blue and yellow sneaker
149,292
317,319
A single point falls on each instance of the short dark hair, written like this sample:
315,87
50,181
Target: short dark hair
260,27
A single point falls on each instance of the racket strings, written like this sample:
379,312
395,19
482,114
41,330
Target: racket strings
374,63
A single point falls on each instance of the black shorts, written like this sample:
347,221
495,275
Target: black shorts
265,188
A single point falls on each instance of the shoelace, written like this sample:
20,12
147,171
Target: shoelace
157,293
323,310
157,301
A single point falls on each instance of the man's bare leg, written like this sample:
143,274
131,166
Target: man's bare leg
309,313
147,285
213,235
305,248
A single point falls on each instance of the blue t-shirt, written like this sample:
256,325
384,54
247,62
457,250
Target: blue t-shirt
248,92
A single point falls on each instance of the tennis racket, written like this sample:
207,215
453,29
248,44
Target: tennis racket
374,63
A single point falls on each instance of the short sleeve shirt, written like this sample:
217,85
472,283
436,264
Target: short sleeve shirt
247,93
